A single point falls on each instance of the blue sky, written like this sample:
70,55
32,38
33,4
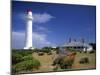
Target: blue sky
53,24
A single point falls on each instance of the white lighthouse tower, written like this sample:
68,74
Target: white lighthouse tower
28,33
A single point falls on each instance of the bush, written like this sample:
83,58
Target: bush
92,52
84,60
72,49
57,50
16,58
26,65
28,57
20,55
55,68
22,52
23,60
66,61
57,61
50,53
80,51
46,49
40,53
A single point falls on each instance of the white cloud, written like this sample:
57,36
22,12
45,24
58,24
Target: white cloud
38,17
42,18
18,39
39,40
42,29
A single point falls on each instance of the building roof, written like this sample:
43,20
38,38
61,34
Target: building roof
76,44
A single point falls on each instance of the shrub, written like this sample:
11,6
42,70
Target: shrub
22,52
84,60
57,50
85,51
46,49
80,51
92,52
26,65
57,61
16,58
40,53
28,57
36,50
66,61
23,60
55,68
26,52
72,50
50,53
20,55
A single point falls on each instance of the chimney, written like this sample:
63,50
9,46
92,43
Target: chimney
69,40
74,40
82,40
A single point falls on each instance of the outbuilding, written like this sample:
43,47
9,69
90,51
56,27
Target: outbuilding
78,45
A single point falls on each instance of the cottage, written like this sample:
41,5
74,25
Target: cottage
78,45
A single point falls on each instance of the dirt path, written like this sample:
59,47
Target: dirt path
46,62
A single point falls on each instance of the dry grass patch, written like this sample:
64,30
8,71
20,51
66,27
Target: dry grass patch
47,61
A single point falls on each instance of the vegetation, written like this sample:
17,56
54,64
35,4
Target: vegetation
26,60
16,58
92,52
22,52
55,68
26,65
65,62
57,50
71,50
28,57
18,55
50,53
84,60
46,49
23,60
40,53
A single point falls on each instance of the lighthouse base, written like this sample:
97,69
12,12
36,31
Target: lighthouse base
28,48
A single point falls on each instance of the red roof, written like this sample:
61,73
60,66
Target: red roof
29,10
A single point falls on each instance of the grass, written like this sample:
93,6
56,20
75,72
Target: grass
47,61
90,65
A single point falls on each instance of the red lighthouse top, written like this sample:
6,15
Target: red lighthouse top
29,10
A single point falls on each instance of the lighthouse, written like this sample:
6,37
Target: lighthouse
28,33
